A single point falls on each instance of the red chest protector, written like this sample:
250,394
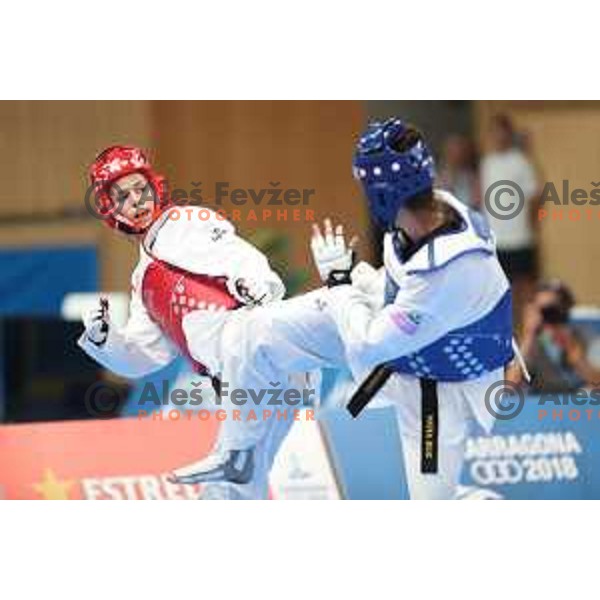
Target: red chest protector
169,293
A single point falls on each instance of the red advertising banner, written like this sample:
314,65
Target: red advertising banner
120,459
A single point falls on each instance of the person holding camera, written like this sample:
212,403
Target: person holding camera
551,347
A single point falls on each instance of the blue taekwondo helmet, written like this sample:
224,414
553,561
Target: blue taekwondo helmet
393,164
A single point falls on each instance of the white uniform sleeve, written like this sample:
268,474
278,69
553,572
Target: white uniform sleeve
137,350
371,282
252,263
427,307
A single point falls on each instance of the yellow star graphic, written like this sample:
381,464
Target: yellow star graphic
51,488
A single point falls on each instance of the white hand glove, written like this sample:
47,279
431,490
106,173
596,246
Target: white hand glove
96,322
330,252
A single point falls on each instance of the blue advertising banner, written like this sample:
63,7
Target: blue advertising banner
539,454
549,451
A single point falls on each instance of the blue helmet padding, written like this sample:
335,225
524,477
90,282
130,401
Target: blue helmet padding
390,177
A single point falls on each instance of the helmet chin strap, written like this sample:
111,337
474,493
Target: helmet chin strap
128,226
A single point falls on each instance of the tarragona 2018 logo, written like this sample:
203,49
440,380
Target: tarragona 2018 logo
547,457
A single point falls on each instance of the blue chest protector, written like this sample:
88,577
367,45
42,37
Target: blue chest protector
467,352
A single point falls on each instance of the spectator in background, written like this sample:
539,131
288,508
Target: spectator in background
554,353
516,234
458,173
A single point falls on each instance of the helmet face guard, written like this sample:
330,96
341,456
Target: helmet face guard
393,164
111,165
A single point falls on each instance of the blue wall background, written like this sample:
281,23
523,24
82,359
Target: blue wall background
33,281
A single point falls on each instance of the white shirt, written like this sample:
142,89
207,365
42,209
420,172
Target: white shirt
515,232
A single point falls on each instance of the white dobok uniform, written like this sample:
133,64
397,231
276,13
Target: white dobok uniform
162,325
445,318
449,293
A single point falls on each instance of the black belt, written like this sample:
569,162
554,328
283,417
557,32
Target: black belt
429,412
216,385
368,389
429,426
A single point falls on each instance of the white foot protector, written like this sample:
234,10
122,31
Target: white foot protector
234,466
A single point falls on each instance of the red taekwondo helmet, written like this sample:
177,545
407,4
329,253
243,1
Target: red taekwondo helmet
112,164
